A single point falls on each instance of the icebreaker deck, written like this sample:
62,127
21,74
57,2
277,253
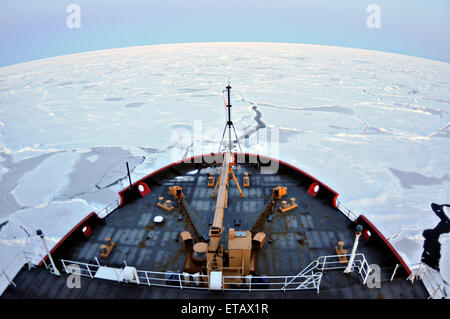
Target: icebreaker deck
295,239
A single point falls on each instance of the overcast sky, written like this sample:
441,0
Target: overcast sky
32,30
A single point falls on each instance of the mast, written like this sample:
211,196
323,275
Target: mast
229,122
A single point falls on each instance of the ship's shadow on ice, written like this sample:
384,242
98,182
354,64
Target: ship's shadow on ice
432,247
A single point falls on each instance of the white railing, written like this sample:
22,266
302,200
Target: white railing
80,268
108,209
197,281
144,277
347,212
9,271
431,279
32,259
172,279
307,270
332,262
306,279
272,283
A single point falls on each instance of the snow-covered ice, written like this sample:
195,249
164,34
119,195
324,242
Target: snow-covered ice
373,126
19,242
41,185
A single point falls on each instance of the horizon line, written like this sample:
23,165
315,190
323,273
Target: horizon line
216,43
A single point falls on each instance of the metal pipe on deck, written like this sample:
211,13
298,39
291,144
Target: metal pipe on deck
355,246
129,176
41,235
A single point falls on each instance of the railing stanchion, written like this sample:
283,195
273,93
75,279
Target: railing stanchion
7,278
362,266
148,280
395,270
64,265
366,277
89,270
436,291
423,272
318,283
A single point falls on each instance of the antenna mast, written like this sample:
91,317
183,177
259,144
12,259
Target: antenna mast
229,123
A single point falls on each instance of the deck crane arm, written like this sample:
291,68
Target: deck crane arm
216,229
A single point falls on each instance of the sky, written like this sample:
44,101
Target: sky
31,30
